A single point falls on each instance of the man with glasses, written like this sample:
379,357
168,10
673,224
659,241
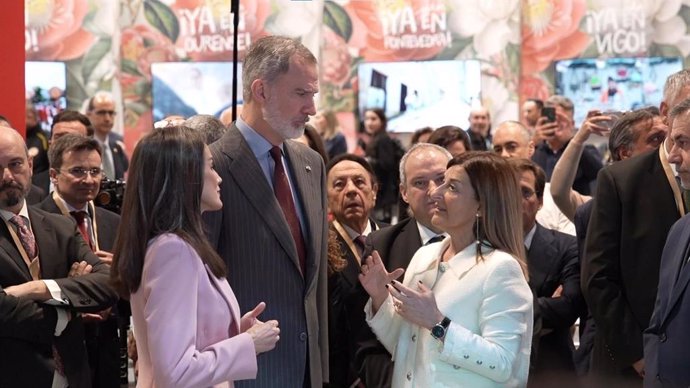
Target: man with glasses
75,170
552,258
43,341
101,112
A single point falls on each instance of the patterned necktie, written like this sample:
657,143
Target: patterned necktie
281,187
361,243
26,237
80,217
108,166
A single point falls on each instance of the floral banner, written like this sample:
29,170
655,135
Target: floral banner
356,32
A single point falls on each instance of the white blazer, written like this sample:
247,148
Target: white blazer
490,306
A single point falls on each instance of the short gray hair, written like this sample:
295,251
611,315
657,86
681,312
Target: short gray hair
675,83
268,58
679,109
515,124
418,148
622,135
562,101
208,125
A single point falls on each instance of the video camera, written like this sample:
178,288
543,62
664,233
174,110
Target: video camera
110,195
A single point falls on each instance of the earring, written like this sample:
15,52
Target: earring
476,234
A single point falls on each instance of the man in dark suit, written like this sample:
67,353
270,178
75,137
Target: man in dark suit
421,171
352,187
636,202
667,341
272,230
67,121
75,168
37,251
101,112
554,277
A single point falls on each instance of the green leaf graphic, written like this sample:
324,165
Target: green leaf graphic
335,17
162,18
94,56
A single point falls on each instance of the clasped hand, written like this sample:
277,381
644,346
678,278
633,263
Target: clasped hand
264,334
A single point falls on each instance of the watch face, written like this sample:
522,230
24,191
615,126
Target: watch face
438,331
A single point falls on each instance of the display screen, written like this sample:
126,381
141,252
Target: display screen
420,94
45,84
189,88
618,84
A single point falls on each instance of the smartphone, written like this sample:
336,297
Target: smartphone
550,114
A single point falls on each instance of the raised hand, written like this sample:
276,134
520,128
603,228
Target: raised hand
249,319
375,277
417,306
265,335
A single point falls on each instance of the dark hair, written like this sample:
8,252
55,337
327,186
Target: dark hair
208,125
496,186
539,103
381,115
353,158
72,115
163,195
526,165
70,142
315,141
622,134
449,134
419,133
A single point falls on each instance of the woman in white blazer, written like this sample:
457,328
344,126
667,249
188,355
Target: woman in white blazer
187,321
462,317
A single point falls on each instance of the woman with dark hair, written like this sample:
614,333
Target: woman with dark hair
312,139
326,124
186,319
462,315
383,154
452,138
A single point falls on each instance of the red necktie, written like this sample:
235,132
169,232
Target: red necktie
281,187
80,217
26,237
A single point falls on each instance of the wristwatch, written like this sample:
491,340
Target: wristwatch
439,329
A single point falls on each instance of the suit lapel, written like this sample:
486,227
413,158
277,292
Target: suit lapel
678,287
46,242
221,285
251,180
404,246
13,255
540,259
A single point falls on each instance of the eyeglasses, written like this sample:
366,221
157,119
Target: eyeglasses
81,172
102,112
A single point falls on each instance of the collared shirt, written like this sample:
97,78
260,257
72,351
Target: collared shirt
85,209
427,234
261,148
59,381
530,236
354,234
107,153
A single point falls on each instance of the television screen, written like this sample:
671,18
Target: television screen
420,94
189,88
45,84
618,84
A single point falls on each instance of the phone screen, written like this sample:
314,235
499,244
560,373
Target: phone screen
549,113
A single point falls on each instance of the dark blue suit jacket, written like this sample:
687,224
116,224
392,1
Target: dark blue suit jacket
667,340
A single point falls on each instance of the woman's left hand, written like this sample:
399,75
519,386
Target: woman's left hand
417,306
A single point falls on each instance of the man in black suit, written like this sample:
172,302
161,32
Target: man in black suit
101,112
636,202
667,340
351,187
37,251
75,168
421,171
67,121
554,277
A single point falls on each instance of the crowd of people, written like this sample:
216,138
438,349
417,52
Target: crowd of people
261,253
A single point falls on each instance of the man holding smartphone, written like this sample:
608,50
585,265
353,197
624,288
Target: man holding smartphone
553,132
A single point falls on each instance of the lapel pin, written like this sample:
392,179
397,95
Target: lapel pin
308,168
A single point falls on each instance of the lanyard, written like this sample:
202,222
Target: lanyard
92,210
677,195
348,239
